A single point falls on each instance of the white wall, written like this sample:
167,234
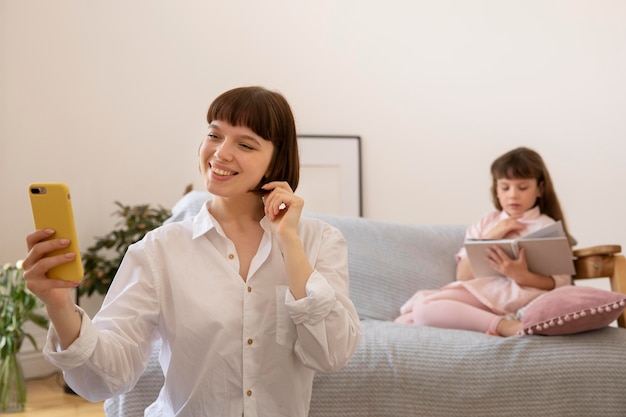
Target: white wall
110,97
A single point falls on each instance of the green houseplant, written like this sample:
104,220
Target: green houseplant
17,307
103,258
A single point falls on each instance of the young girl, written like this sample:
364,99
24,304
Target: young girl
525,200
248,298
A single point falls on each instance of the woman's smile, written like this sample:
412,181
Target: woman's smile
222,172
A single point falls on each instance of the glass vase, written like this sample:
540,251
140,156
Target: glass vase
12,385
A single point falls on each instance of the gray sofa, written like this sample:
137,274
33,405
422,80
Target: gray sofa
421,371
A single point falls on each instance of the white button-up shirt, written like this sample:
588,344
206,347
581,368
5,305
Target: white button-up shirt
230,347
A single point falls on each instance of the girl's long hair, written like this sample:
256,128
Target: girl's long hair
524,163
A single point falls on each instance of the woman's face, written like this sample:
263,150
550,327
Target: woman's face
233,159
517,196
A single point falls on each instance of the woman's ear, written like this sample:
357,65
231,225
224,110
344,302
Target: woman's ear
540,189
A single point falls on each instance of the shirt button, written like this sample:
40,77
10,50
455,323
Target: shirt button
249,289
231,256
249,341
249,393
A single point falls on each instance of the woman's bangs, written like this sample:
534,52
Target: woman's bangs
239,110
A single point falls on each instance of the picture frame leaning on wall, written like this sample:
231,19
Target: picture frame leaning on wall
330,174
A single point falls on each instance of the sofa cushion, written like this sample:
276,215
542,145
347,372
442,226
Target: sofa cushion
571,309
389,262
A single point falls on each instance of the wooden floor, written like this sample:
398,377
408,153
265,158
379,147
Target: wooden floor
46,397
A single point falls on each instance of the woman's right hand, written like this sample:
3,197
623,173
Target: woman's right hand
54,293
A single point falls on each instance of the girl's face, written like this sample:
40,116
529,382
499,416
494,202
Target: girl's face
233,159
517,196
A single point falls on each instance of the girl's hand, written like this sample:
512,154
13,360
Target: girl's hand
517,269
501,262
282,207
504,228
54,293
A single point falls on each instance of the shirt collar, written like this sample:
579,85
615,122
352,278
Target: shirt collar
203,222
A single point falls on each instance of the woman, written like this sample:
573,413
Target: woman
248,298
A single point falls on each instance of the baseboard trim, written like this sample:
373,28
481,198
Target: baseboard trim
35,366
33,363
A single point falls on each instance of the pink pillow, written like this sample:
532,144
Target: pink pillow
571,309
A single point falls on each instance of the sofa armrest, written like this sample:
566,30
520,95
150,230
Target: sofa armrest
603,261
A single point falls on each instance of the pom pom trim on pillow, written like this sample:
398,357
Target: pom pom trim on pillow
572,309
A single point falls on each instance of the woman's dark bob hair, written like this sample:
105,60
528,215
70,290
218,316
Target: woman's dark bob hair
267,114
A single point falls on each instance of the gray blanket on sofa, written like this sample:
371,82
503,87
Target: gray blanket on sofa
422,371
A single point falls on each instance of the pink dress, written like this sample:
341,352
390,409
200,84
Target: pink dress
478,304
503,295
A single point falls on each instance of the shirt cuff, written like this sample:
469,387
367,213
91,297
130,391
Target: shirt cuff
316,305
78,352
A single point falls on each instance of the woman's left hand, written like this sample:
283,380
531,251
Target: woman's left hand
282,207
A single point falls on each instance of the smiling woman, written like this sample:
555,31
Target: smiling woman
262,121
247,263
234,158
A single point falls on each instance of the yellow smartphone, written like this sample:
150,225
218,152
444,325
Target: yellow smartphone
52,209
